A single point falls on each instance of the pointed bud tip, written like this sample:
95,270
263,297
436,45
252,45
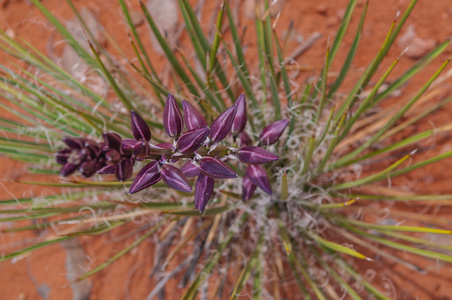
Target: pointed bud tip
259,177
273,132
241,117
175,179
221,126
146,177
255,155
140,128
215,168
192,117
172,118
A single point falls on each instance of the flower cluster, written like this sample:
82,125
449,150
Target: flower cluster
200,146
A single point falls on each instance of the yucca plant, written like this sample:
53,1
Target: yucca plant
290,177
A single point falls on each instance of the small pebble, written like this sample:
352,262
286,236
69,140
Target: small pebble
137,18
322,8
415,46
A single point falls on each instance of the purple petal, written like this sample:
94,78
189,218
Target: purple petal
248,188
272,132
147,176
174,178
140,128
190,170
109,169
245,139
203,191
191,140
259,177
68,169
124,169
255,155
172,118
193,118
222,125
215,168
240,117
112,140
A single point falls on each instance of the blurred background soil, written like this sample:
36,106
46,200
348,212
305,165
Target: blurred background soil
46,274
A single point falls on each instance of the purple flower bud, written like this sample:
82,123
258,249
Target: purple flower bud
88,168
222,125
124,169
190,170
255,155
248,188
113,157
83,154
193,118
215,168
259,177
203,191
147,176
174,178
140,129
141,149
164,145
68,169
129,143
62,156
245,139
240,117
272,132
112,140
172,118
93,147
191,140
108,169
72,142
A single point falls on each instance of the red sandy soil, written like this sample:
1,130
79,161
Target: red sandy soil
43,275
